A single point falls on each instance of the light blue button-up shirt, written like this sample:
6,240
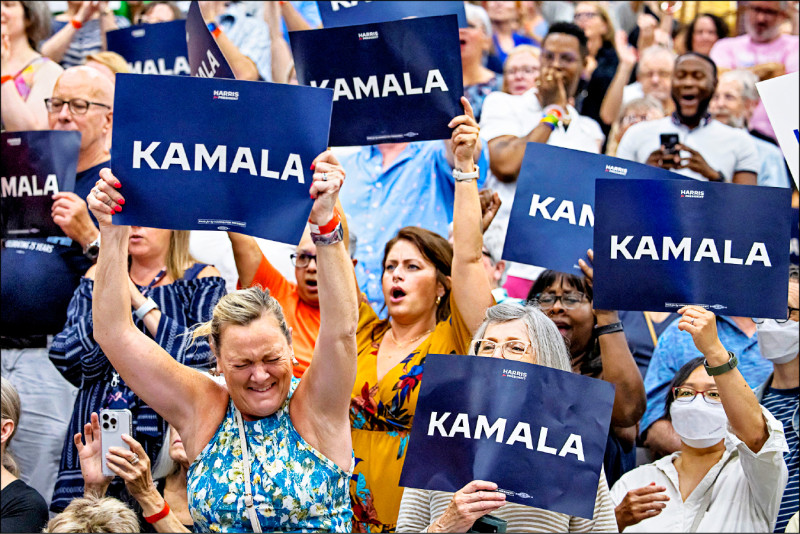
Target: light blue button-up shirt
675,348
416,190
250,35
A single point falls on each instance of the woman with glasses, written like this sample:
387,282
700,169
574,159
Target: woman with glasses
435,296
521,69
27,76
729,474
598,349
521,333
637,110
167,291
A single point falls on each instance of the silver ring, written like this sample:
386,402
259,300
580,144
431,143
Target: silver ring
135,459
95,192
324,176
692,323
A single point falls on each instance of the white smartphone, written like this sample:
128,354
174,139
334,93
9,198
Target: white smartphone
114,423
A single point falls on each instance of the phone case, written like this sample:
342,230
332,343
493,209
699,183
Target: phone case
113,423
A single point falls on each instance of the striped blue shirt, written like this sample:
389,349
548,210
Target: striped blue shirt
80,360
783,404
86,41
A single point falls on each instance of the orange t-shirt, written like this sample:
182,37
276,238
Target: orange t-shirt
303,319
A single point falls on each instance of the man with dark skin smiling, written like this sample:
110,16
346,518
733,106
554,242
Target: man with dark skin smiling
706,150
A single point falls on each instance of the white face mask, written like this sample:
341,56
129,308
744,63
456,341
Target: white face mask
698,423
779,342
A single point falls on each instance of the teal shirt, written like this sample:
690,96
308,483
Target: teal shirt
295,487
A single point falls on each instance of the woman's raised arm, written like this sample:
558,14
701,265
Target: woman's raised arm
470,285
323,396
176,392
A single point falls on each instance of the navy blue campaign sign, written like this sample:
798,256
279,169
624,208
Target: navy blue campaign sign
34,167
393,82
215,154
337,14
152,48
538,433
659,245
553,211
205,58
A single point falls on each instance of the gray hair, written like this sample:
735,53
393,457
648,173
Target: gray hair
473,11
164,465
746,79
656,50
646,102
546,341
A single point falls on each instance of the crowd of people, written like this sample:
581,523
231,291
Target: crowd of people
273,387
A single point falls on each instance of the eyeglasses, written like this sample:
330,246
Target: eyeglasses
522,70
302,260
512,349
585,15
758,320
77,106
664,74
633,119
569,301
764,11
687,394
564,57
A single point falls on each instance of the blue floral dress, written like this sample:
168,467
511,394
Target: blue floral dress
295,487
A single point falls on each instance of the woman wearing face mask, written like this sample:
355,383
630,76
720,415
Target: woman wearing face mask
779,342
729,474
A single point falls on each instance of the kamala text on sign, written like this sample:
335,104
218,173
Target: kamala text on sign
392,82
337,14
152,48
540,435
35,165
553,212
717,245
214,154
205,58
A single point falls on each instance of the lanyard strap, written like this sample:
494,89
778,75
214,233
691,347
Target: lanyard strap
154,281
707,495
650,327
248,492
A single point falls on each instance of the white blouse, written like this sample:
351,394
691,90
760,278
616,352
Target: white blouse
745,497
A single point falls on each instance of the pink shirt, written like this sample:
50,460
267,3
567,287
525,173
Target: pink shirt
742,52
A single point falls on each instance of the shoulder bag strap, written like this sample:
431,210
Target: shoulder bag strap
248,490
707,496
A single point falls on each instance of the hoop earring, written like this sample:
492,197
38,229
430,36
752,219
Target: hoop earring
438,300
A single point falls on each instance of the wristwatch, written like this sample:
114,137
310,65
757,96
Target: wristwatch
732,362
148,306
466,176
92,249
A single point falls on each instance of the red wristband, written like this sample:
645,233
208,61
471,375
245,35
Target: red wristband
329,227
6,78
216,32
76,24
159,516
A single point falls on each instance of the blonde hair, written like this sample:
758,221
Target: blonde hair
11,408
240,308
112,60
178,257
94,514
531,50
608,36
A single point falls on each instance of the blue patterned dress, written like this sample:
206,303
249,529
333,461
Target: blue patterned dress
295,487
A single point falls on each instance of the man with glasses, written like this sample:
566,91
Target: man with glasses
763,49
299,300
779,342
543,114
38,280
